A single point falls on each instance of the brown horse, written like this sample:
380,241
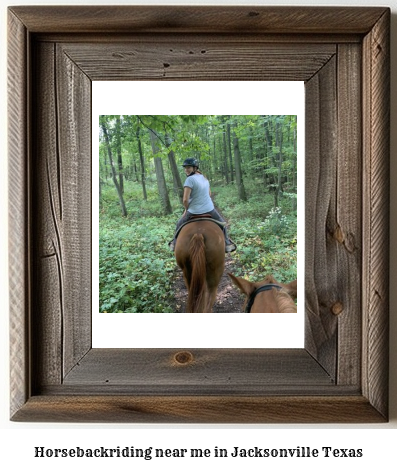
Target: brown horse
267,295
200,253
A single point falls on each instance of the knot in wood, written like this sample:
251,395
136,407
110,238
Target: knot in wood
338,235
337,308
183,358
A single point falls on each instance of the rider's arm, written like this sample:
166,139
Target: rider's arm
186,195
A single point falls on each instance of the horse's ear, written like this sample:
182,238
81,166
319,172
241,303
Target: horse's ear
245,286
291,288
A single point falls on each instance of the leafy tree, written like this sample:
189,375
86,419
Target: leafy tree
104,123
251,162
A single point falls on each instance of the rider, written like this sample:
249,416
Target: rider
197,200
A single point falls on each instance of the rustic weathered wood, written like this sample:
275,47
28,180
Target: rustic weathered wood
346,227
333,215
62,195
74,153
341,376
205,369
320,175
47,259
199,19
198,409
196,39
207,60
376,142
19,218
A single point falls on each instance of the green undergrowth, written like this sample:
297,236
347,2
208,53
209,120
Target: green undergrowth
137,269
265,235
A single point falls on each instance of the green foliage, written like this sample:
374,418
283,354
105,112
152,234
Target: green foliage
266,248
136,267
201,137
266,236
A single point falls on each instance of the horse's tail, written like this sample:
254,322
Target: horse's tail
197,298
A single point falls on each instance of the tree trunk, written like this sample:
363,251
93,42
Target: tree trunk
100,192
137,173
226,166
105,162
142,161
178,188
251,154
119,155
237,165
161,183
229,148
279,143
268,152
114,173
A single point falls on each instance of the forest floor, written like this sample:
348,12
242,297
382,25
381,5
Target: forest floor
228,298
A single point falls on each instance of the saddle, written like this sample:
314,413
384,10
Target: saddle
201,217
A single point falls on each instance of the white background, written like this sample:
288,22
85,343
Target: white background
19,440
227,330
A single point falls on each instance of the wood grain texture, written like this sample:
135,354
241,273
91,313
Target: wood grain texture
333,215
62,224
341,376
376,143
187,59
46,200
199,19
19,224
74,128
199,409
346,226
246,369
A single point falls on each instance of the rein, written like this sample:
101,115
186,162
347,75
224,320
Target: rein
252,297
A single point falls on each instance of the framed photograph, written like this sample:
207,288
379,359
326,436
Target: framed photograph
340,375
136,279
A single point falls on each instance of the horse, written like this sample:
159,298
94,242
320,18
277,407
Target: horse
200,253
267,296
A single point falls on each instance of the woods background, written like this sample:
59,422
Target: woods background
251,163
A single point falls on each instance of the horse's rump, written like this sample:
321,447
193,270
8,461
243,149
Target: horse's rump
200,253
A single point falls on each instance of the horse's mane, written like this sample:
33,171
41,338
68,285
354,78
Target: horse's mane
284,301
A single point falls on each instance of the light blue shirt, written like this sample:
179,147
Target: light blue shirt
200,201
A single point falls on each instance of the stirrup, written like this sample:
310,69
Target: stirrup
230,247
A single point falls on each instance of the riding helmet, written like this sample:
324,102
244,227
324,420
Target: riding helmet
191,162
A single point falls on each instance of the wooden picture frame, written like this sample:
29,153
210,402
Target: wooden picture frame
342,54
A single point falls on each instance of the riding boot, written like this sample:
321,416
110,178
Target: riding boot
171,244
230,246
180,222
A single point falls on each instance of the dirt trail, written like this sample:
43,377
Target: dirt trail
228,298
